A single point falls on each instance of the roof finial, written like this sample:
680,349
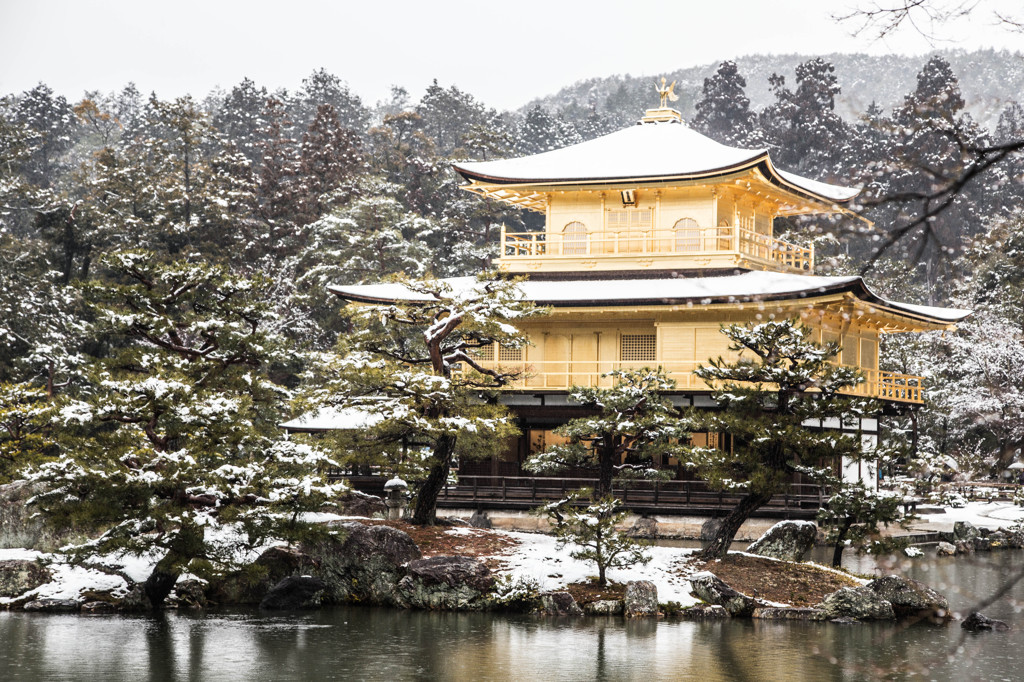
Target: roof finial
664,113
667,94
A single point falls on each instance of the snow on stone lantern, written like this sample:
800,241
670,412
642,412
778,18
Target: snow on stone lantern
395,498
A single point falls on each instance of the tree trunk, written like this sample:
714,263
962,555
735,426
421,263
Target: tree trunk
186,545
426,501
837,553
606,469
161,581
719,544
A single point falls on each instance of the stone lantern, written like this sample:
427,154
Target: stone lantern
395,498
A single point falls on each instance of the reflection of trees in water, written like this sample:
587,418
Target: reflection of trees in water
374,643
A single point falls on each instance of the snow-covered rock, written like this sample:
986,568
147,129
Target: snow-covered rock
860,603
713,590
786,540
18,576
911,598
446,582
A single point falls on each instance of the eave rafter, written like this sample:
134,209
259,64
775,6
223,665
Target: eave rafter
881,318
535,201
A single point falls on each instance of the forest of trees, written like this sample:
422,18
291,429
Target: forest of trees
149,246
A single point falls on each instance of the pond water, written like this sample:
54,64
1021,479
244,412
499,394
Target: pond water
350,643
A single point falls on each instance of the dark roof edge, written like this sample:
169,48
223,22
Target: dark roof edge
856,287
761,161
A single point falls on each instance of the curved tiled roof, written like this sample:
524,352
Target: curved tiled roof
744,287
646,151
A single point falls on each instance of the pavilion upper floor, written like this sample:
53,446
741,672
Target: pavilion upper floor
721,226
655,196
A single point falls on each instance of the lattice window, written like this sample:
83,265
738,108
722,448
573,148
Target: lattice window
506,354
637,347
687,235
763,223
486,353
574,239
630,219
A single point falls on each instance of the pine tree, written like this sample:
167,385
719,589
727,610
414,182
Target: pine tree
412,364
803,130
277,178
764,398
25,424
53,130
542,132
176,436
593,531
322,87
853,514
933,144
447,115
630,424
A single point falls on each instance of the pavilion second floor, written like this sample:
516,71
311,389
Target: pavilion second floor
563,361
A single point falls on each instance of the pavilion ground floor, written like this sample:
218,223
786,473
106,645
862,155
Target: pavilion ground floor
501,482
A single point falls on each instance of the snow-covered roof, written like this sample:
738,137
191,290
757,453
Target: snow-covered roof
645,151
727,288
331,419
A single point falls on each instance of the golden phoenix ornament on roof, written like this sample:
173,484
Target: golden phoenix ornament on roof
667,94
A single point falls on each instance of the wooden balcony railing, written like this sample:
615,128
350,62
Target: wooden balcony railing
696,242
800,500
563,374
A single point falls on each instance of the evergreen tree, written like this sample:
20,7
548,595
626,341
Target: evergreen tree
914,189
277,178
176,436
53,131
448,115
593,531
723,112
329,159
802,128
240,118
542,132
322,87
412,365
853,514
25,425
629,426
764,399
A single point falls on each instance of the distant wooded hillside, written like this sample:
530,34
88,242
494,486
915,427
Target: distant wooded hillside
988,80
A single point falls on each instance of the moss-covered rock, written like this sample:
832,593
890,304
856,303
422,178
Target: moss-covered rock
18,576
860,603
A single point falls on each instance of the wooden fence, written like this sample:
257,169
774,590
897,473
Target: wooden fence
644,497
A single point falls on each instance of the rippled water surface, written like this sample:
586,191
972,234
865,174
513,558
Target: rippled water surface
369,643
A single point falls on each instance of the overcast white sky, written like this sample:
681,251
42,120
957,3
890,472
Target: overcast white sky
504,53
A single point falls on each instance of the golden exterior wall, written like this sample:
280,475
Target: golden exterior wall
576,347
707,227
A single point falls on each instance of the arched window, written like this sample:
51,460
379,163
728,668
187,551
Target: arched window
574,239
687,235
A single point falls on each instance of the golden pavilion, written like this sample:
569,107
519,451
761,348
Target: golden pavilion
655,237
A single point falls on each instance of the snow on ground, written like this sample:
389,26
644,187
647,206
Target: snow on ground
462,530
537,557
982,514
